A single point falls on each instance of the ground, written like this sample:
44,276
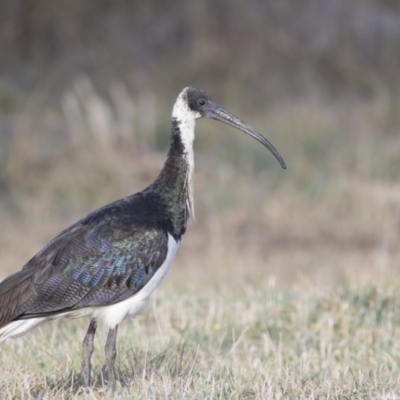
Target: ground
234,340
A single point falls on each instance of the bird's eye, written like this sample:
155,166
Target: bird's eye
202,102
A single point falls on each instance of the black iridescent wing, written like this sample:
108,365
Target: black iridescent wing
101,260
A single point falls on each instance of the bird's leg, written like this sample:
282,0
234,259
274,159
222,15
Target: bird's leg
111,354
87,351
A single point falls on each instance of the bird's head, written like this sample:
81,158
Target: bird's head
193,104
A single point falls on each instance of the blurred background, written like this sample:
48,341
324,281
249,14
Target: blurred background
86,92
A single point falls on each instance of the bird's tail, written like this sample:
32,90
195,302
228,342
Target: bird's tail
15,329
15,292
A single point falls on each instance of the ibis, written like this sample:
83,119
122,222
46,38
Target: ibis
107,265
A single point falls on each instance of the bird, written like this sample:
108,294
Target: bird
107,265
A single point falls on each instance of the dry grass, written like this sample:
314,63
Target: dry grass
235,340
287,286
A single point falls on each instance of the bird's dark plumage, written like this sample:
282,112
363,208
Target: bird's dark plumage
101,260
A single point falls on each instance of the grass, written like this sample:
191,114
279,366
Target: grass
239,341
287,286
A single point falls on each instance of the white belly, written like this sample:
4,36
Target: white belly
116,313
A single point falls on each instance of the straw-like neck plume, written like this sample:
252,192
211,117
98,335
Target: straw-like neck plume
175,182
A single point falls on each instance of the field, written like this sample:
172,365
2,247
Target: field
286,286
235,340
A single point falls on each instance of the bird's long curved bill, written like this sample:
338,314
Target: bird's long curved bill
222,115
